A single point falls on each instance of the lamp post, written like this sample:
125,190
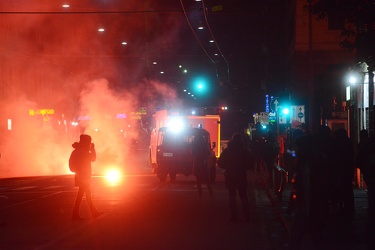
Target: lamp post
285,115
311,66
282,175
361,114
361,97
370,70
352,98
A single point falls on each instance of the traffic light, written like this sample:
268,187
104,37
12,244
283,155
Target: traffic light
200,85
285,111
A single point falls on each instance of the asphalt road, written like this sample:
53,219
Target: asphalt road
139,213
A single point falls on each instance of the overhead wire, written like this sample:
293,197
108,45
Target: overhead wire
194,33
214,39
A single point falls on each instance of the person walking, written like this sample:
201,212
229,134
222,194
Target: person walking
310,201
343,164
303,146
362,155
235,160
212,166
80,163
366,161
201,153
271,152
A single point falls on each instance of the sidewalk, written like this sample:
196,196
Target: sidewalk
356,230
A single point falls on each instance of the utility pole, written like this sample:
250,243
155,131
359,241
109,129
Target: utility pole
311,68
370,70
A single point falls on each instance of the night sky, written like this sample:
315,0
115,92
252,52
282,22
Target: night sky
239,67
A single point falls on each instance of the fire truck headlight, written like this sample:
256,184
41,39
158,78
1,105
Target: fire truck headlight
176,124
113,176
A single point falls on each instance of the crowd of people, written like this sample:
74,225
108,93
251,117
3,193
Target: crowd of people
324,177
323,183
322,166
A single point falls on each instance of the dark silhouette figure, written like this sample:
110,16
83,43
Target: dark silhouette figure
304,154
366,160
362,153
343,164
257,152
323,174
80,160
235,160
201,169
271,152
212,166
311,188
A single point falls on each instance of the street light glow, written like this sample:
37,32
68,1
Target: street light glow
352,80
285,111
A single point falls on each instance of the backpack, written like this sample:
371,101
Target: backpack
74,161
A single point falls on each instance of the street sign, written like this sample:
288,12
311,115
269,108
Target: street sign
282,119
298,113
263,118
276,103
272,117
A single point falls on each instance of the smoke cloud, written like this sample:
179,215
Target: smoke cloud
41,145
57,69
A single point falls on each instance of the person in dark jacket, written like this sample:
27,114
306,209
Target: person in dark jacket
270,154
343,164
83,154
362,153
212,166
201,169
366,160
235,160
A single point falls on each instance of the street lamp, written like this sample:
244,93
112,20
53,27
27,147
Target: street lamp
352,79
361,85
354,96
358,94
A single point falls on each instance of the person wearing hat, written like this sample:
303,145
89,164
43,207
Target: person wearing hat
80,163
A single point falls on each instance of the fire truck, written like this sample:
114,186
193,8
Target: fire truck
171,141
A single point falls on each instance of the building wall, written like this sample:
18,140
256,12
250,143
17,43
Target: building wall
328,57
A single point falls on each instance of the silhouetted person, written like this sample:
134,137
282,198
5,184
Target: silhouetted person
83,154
201,153
235,160
301,224
212,166
323,174
313,154
271,151
366,154
362,153
257,152
343,164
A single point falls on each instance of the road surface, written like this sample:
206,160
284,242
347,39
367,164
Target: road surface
139,213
